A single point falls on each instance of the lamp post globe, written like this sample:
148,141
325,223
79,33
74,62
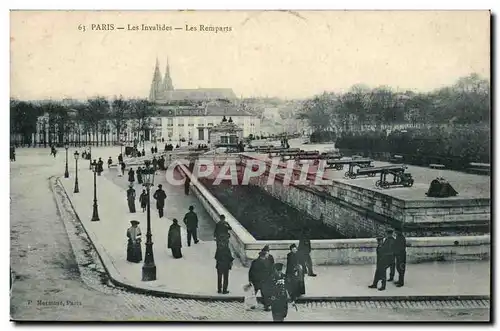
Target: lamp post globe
95,212
149,267
66,172
77,189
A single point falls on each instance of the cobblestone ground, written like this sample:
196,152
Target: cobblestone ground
51,285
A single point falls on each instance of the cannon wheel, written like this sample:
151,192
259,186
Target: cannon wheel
347,175
352,175
377,183
371,174
384,185
339,167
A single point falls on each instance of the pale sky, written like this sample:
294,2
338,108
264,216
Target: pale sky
288,55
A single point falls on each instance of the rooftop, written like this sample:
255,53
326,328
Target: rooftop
220,109
197,94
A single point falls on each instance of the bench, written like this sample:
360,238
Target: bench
436,166
479,168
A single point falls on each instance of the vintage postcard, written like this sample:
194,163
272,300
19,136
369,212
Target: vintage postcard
250,166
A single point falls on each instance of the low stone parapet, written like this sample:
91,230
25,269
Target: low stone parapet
342,251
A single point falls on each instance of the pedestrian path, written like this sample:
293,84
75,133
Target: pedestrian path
195,273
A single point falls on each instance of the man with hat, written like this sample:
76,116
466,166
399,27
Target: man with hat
134,251
304,252
386,253
279,294
380,271
270,258
400,257
389,241
259,274
221,232
295,274
224,263
191,221
160,197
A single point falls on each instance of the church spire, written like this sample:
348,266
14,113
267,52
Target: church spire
155,90
167,81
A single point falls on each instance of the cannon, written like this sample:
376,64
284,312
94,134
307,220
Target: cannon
399,178
339,165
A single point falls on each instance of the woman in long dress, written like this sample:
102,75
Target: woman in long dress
134,251
131,198
131,176
174,239
139,175
143,199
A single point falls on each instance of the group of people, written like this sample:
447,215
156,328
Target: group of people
160,196
278,288
174,239
284,143
391,253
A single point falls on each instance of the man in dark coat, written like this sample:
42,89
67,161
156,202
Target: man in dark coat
295,273
386,258
187,182
380,270
155,163
12,153
269,258
221,232
120,158
259,275
123,168
131,198
191,221
152,150
174,239
156,149
110,162
100,166
400,257
131,176
390,247
224,263
160,197
304,252
139,175
279,294
161,162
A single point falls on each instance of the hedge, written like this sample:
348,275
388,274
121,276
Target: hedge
453,146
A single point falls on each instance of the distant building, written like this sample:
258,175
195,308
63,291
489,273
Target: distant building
188,114
162,90
225,134
180,115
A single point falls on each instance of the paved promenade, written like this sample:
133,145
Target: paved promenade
195,273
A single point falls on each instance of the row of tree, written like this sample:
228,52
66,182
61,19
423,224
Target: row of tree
465,102
94,120
454,147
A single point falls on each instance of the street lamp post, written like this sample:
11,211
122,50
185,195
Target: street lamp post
95,213
76,190
149,267
90,157
66,172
